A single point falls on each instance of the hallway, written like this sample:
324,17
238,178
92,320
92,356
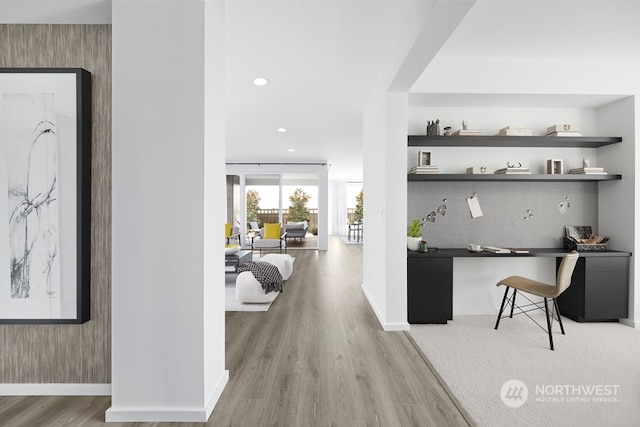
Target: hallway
318,357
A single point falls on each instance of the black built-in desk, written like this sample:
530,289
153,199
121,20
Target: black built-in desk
599,287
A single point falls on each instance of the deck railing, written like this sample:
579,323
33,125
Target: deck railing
270,216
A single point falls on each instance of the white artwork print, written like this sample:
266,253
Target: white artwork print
32,178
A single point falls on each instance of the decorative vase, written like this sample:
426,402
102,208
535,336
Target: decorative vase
413,243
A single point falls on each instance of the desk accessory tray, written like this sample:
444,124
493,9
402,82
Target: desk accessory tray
575,234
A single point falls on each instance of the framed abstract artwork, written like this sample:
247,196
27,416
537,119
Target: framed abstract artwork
45,195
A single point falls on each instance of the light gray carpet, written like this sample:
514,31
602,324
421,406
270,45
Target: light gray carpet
591,379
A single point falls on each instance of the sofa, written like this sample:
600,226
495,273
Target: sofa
296,229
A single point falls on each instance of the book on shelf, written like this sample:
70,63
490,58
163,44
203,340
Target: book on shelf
496,250
424,169
519,251
515,131
465,132
587,171
565,133
513,171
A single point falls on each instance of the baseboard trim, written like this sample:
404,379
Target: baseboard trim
388,327
155,415
628,323
57,389
217,392
163,414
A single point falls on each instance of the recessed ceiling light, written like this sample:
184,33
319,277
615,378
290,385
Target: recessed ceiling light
291,150
260,81
282,130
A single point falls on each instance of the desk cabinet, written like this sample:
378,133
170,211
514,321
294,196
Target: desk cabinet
599,290
430,290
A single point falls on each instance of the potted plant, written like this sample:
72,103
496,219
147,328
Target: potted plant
414,235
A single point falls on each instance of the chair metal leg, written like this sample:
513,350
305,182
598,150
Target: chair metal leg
513,303
504,300
546,310
555,303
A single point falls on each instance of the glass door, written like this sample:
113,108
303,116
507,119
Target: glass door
262,194
299,201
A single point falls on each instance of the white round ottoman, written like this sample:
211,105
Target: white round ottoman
249,290
284,262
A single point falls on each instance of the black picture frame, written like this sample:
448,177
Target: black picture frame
74,267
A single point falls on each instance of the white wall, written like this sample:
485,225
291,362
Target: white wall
619,203
167,272
540,77
385,148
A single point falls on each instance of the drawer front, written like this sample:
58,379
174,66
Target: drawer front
607,283
615,263
606,307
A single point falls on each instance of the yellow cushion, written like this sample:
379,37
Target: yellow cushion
227,229
272,231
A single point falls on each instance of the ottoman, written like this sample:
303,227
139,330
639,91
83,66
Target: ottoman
249,290
284,262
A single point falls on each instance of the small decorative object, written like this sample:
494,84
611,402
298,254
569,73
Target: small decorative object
581,238
474,206
563,130
414,235
423,247
447,131
479,170
585,162
529,215
563,207
514,168
554,167
433,128
424,158
442,209
475,247
465,131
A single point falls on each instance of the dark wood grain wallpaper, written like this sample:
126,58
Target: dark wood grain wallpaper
69,353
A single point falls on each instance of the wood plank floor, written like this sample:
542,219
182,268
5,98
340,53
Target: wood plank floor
318,357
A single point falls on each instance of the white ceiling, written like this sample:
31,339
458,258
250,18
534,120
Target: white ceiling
322,57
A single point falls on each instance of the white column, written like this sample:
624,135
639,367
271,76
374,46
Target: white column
168,173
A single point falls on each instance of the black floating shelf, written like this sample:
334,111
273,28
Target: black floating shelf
512,177
512,141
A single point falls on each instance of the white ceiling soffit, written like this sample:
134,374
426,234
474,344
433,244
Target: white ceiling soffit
548,29
481,100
